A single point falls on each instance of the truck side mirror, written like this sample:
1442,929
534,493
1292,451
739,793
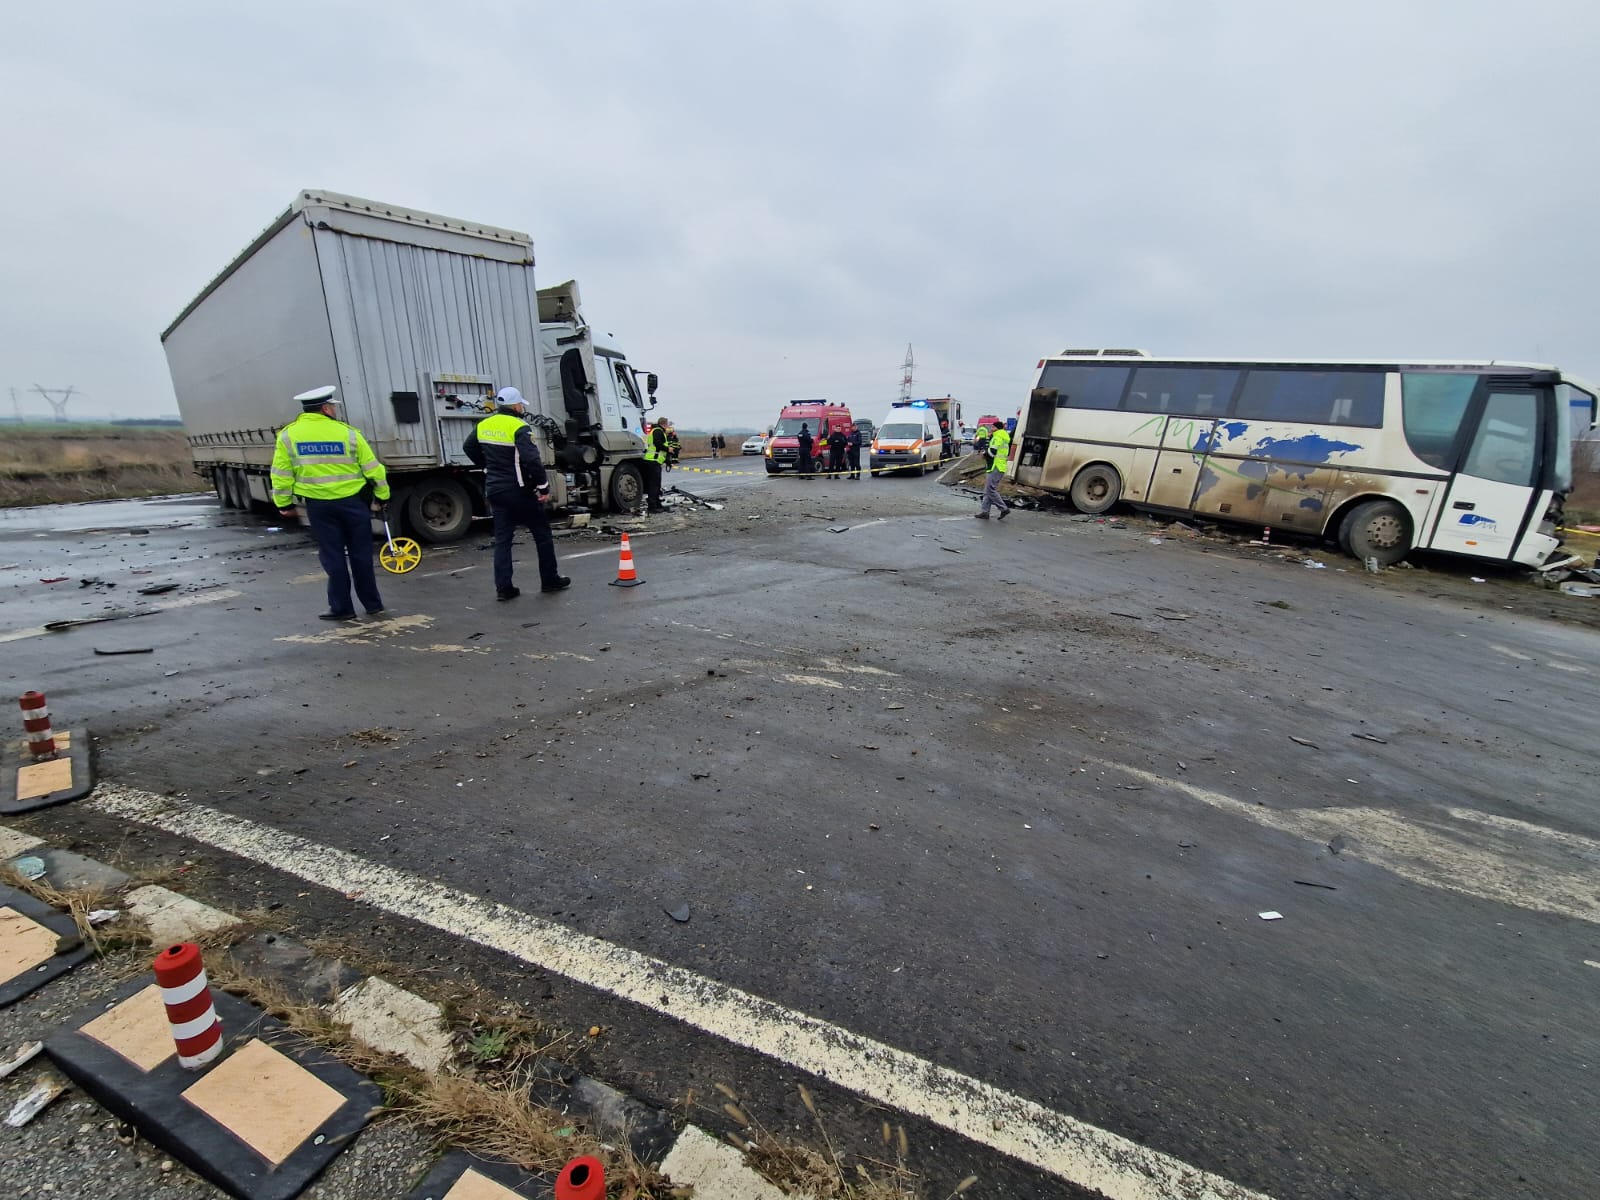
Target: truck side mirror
651,383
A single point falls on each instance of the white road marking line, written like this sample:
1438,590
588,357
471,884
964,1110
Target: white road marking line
450,571
1589,962
17,635
1495,865
1053,1142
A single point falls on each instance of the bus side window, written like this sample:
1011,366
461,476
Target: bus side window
1313,397
1189,391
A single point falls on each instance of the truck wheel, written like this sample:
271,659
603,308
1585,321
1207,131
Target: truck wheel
237,490
439,510
1377,529
627,489
219,481
1096,489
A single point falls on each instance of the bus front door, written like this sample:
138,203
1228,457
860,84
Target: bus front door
1487,501
1175,474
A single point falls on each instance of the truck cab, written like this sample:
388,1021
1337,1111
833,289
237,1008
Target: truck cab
594,433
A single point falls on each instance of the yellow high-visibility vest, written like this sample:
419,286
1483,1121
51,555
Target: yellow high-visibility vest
319,458
999,443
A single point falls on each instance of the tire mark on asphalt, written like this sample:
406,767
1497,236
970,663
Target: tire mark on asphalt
1482,863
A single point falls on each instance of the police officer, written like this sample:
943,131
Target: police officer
836,447
518,490
803,449
655,455
999,445
853,443
325,464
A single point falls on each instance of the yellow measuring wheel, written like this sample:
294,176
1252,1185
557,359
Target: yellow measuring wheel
398,555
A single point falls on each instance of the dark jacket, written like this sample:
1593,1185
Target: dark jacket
508,471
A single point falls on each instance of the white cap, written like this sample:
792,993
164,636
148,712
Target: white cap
316,397
507,396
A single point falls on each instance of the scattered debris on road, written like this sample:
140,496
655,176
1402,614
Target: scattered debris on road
23,1057
679,914
57,626
158,589
1338,843
1309,883
1367,737
35,1102
1304,742
115,653
1270,916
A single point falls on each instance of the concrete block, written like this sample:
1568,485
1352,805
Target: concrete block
172,918
14,842
64,869
716,1169
396,1021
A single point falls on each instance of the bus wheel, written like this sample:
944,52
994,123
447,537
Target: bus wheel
1096,489
1377,529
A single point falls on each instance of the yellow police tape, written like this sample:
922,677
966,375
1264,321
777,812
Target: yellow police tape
811,474
818,474
1577,533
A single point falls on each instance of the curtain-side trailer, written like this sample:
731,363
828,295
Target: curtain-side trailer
418,319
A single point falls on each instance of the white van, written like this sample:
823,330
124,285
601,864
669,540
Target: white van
908,439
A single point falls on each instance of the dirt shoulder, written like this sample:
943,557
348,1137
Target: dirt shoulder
1437,576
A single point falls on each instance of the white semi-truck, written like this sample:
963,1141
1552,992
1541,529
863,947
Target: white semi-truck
418,319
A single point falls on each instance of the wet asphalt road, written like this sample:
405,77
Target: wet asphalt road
1085,756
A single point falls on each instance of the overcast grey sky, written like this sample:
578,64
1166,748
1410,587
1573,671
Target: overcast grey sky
764,201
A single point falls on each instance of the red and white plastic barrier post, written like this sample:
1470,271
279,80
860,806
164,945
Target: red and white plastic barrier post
196,1028
582,1179
36,721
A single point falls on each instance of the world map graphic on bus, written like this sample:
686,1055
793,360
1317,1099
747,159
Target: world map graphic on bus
1295,459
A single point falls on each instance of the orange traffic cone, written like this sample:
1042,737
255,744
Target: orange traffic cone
626,575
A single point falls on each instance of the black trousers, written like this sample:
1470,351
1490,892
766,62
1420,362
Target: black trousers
511,511
652,484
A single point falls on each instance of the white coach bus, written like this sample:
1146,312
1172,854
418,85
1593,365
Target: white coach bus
1387,457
